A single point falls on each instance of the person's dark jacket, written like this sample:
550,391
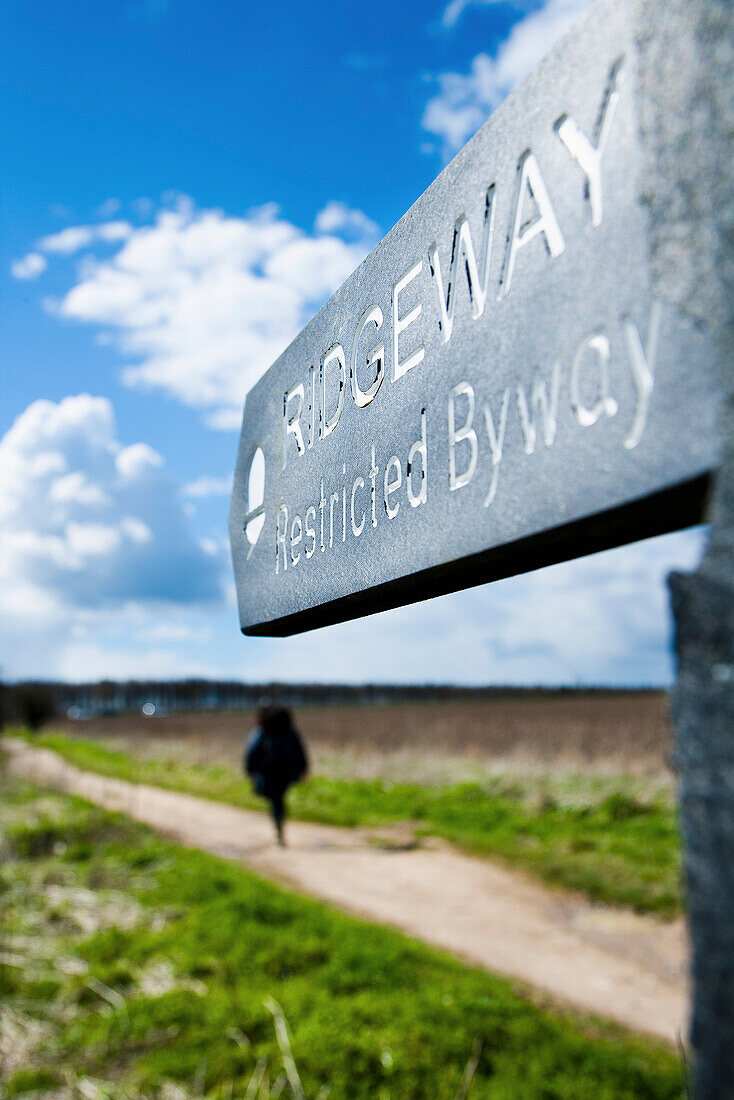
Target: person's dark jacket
274,756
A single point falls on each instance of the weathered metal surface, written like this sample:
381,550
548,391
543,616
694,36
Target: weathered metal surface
496,387
690,154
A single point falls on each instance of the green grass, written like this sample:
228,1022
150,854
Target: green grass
132,963
598,836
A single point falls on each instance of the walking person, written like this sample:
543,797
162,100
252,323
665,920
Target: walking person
275,759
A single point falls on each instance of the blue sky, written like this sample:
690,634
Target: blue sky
174,175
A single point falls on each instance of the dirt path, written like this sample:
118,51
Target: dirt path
609,962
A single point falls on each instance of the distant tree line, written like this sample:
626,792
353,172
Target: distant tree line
34,703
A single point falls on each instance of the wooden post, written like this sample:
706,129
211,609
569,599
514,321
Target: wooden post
692,203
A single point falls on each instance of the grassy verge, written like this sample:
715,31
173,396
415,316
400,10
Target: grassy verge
593,835
133,967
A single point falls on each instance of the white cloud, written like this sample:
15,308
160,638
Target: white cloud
454,10
108,208
80,661
87,524
76,487
114,231
132,461
313,268
208,487
337,217
225,420
174,632
199,303
90,540
136,530
465,100
68,240
29,267
74,237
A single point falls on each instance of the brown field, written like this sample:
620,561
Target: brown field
600,732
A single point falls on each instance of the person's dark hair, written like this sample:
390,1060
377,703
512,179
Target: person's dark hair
34,704
274,720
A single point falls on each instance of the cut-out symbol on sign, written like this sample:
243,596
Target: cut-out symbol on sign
255,515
